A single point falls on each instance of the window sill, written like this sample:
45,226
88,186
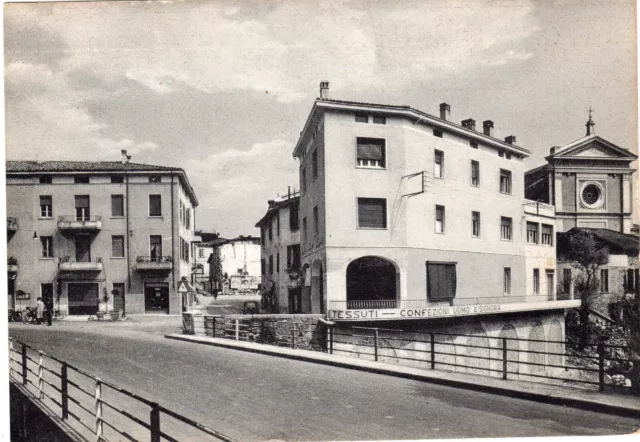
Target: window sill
439,233
475,236
117,217
506,240
117,257
505,193
370,167
372,228
47,258
156,216
45,217
475,185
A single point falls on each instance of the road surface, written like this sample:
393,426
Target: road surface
250,396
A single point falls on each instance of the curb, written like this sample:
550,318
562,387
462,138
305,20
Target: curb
402,372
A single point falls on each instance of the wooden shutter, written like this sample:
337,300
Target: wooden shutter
372,213
441,281
370,149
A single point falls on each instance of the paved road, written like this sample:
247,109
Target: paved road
258,397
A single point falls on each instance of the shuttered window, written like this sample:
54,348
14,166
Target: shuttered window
439,219
372,213
371,152
117,205
547,234
83,213
532,233
475,173
46,210
441,281
155,205
117,246
505,228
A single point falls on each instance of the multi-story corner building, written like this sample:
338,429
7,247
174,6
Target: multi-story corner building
81,233
589,181
280,257
232,265
408,216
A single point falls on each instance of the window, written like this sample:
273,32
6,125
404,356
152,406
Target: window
184,250
187,219
293,256
304,228
506,281
475,173
45,180
438,164
439,219
294,223
155,247
155,179
46,206
475,224
83,210
303,180
316,227
630,281
508,155
371,152
473,144
536,281
47,246
117,246
532,233
117,205
505,228
505,181
278,262
604,280
271,230
200,253
155,205
501,153
278,224
437,133
379,120
362,118
270,263
441,281
81,179
372,213
314,164
263,236
547,234
566,281
117,179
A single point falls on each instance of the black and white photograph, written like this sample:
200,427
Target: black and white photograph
296,220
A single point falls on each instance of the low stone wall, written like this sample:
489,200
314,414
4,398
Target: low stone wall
295,331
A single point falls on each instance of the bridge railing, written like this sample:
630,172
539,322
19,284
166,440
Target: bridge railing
97,409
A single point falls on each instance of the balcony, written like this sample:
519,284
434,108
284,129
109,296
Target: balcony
12,265
73,222
154,263
539,209
69,264
12,224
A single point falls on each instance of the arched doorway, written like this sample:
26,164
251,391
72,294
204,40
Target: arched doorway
317,287
371,283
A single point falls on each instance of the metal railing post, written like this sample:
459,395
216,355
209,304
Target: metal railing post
293,336
262,332
375,343
433,350
64,391
213,327
10,356
40,377
601,367
98,408
154,421
237,326
504,358
24,364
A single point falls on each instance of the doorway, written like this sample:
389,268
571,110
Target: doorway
83,298
550,286
156,298
83,248
46,291
118,296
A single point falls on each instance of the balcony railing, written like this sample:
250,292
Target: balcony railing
366,304
71,264
144,263
12,224
537,208
73,222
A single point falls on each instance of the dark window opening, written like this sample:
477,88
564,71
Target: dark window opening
441,281
372,213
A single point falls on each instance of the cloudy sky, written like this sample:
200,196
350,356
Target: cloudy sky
223,88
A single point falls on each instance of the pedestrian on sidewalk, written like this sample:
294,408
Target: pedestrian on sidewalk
39,310
48,313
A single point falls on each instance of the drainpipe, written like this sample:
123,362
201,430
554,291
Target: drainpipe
173,240
127,236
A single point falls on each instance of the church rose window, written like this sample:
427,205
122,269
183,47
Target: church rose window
591,194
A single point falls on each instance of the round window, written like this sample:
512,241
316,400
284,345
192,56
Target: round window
591,194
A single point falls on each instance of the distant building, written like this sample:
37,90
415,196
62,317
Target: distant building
233,265
280,257
78,231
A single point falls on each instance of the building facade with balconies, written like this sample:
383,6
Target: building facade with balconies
282,281
78,231
407,217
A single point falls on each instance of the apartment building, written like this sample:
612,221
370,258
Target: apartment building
282,279
99,235
407,216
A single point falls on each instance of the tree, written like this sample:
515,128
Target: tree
587,256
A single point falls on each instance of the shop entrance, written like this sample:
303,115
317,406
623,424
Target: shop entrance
156,298
83,298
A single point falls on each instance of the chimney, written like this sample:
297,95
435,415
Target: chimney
469,123
487,127
553,150
511,139
271,203
445,111
324,90
591,130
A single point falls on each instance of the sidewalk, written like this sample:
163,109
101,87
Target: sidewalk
628,406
